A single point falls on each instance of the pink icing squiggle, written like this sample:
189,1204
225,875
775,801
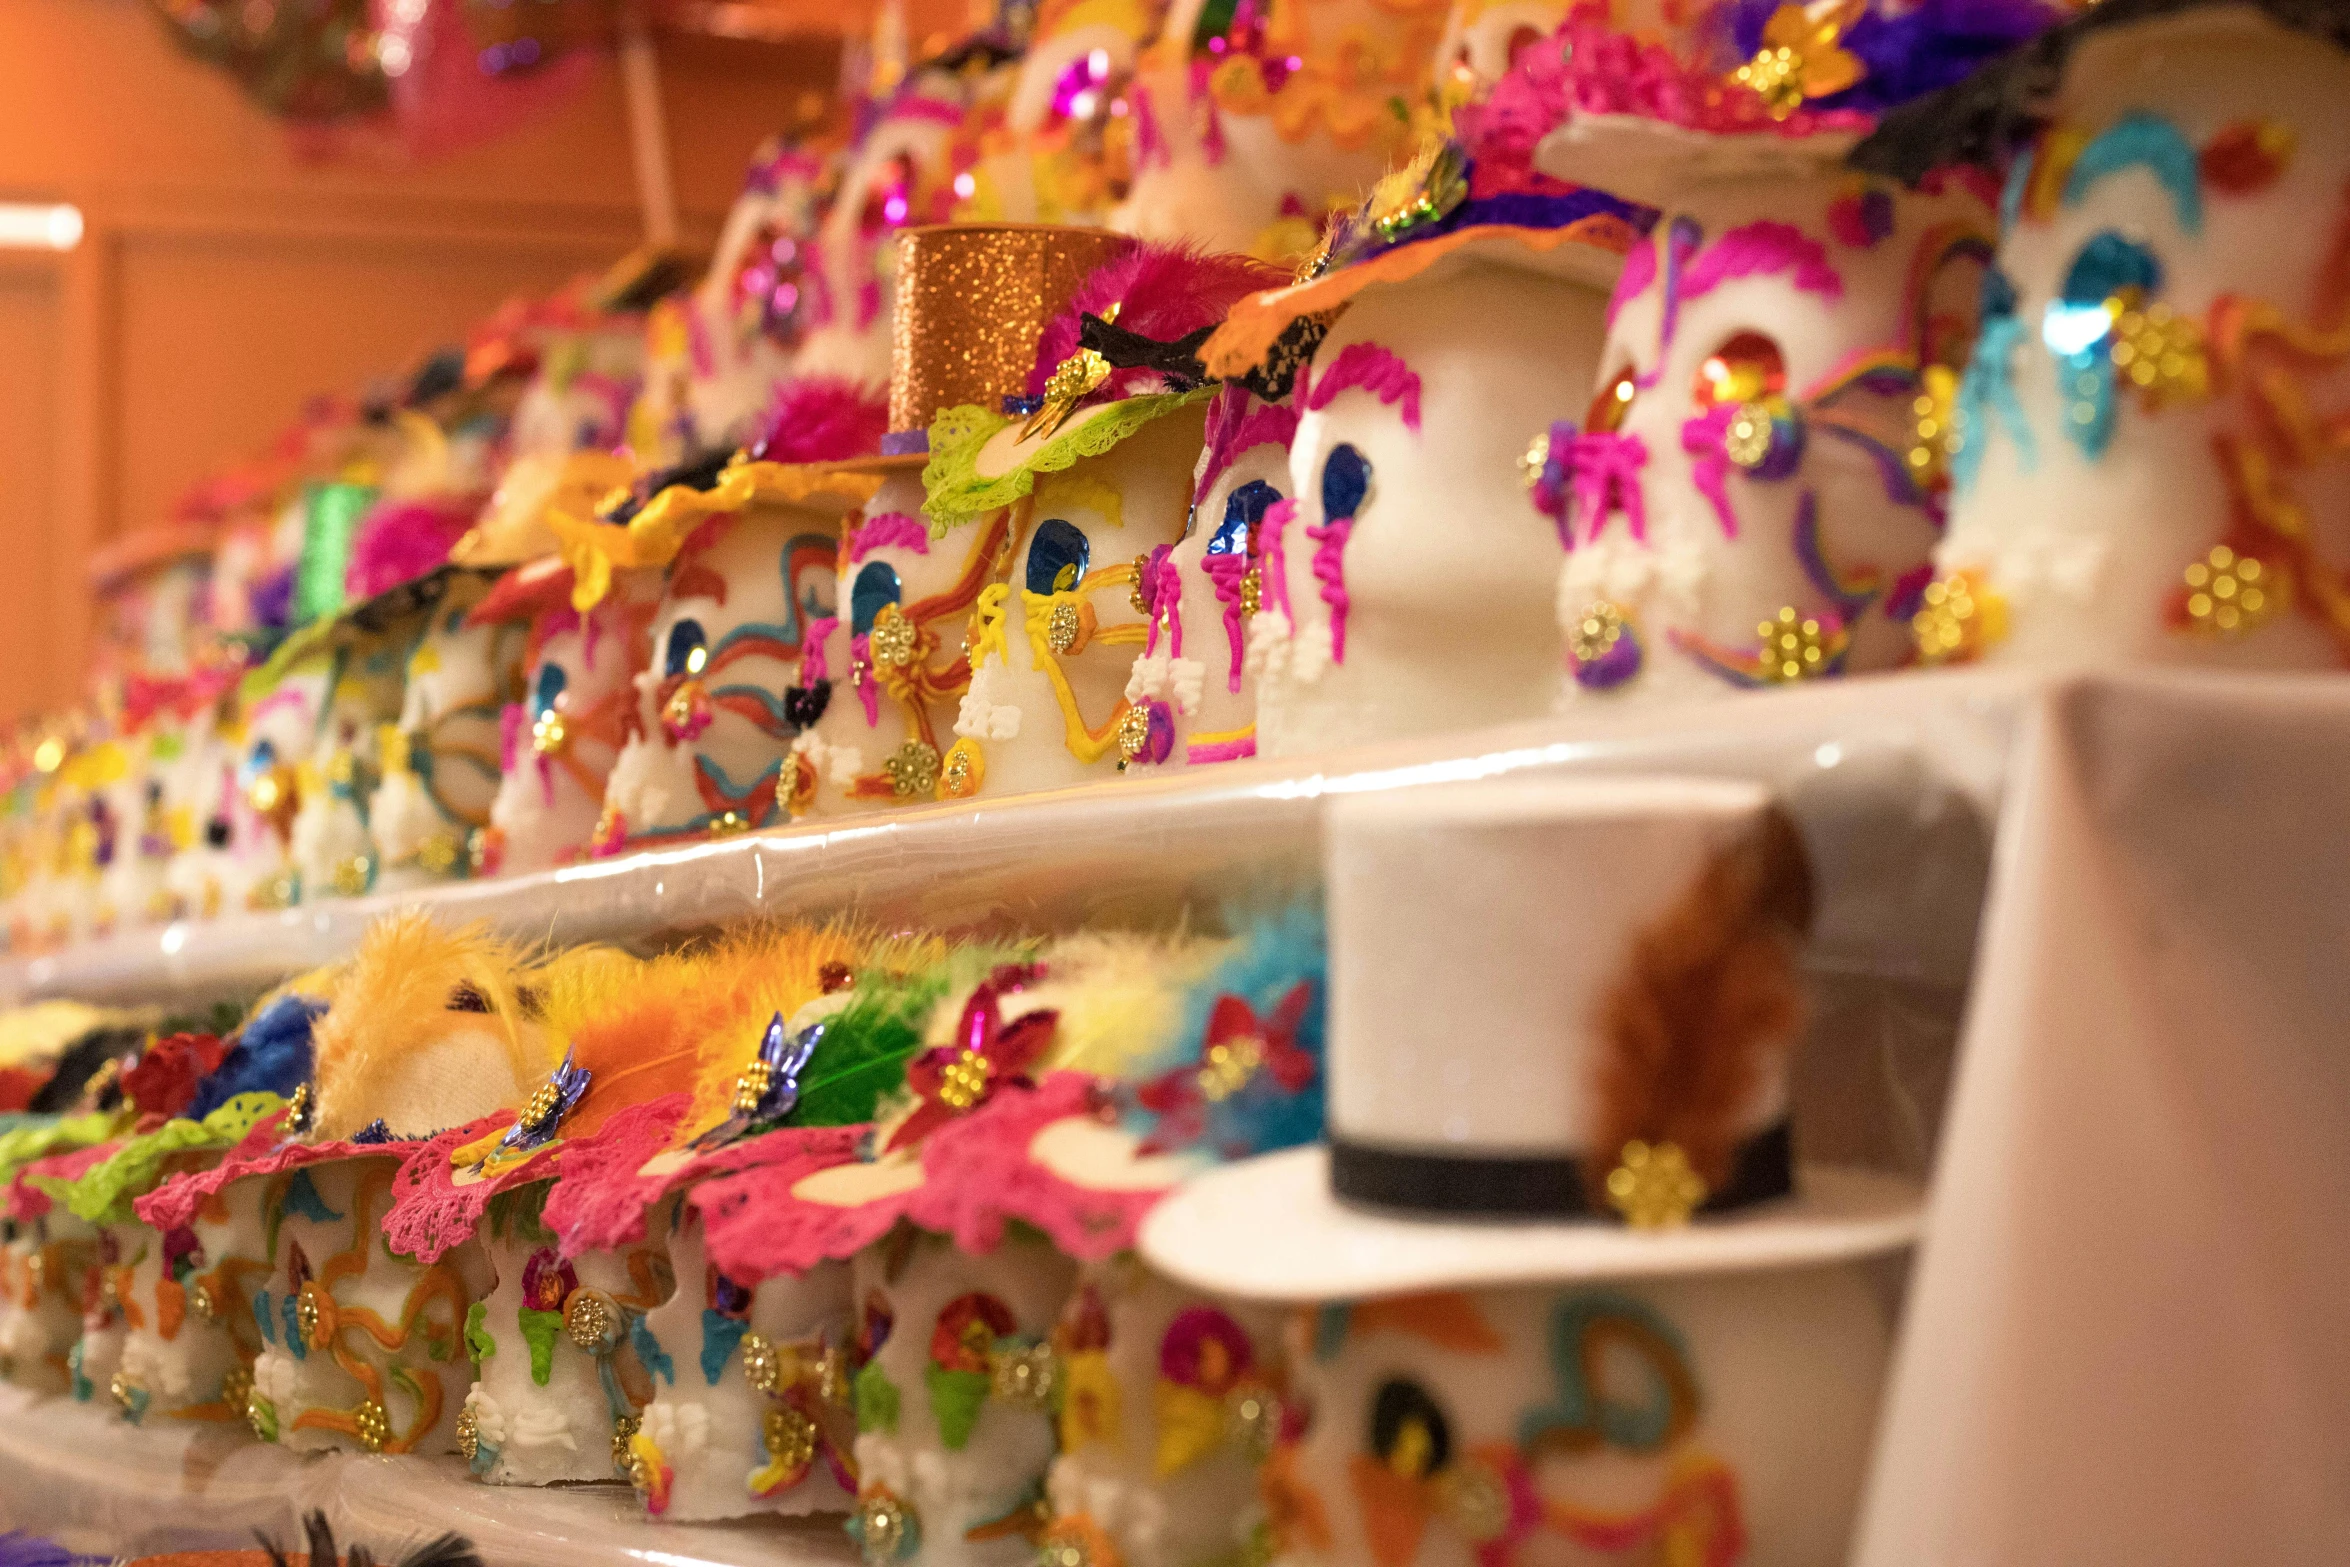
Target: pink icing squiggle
1639,271
1262,424
1372,369
1273,527
890,530
1702,439
1604,468
1198,754
1165,589
814,667
1330,570
1762,249
861,663
1224,573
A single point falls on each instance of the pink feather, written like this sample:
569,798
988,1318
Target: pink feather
822,418
1163,292
402,540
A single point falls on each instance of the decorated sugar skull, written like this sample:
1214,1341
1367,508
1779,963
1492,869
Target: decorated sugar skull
1755,491
52,1262
1096,482
283,707
441,763
2138,473
750,1395
1064,150
559,1377
1191,676
1255,122
750,551
1492,1368
1405,584
122,791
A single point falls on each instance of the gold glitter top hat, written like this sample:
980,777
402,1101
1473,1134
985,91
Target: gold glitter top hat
973,300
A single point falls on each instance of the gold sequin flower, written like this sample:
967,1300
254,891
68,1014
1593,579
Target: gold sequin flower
964,1082
1653,1187
1958,617
1796,646
1800,57
591,1322
912,769
2229,594
1026,1377
762,1365
789,1437
892,639
2160,352
372,1425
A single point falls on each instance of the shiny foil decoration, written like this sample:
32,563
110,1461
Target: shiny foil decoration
973,302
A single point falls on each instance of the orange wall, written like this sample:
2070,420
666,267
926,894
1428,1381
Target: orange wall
223,277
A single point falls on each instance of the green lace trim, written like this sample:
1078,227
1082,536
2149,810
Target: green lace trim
956,494
41,1137
103,1193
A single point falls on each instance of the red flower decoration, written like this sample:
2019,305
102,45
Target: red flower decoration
953,1080
1237,1047
164,1081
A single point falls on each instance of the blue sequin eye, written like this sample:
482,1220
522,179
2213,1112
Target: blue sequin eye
876,585
264,754
688,649
2105,266
551,682
1057,560
1243,510
1346,479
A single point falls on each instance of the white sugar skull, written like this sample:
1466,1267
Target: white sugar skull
954,1430
579,399
1191,682
280,729
125,808
1254,122
2139,474
1169,1401
1065,149
332,851
893,667
1053,646
559,1379
176,1361
1407,587
52,1263
198,819
1633,1421
750,1396
1754,494
441,763
361,1350
720,702
559,743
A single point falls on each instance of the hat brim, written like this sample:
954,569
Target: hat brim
1652,161
1270,1229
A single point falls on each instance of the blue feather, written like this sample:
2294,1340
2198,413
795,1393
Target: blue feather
19,1549
271,1055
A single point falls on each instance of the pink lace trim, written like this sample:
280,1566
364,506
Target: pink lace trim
755,1228
177,1200
890,530
599,1200
1371,368
430,1212
983,1174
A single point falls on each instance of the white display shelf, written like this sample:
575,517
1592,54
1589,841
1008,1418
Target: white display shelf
1903,753
78,1474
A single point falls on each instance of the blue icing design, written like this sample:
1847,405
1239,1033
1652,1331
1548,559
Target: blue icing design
720,1333
288,1305
551,682
2011,194
1586,1412
302,1198
2148,141
649,1352
2078,329
265,1318
1988,387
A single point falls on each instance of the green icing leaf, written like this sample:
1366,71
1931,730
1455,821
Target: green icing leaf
538,1330
877,1399
956,1398
478,1342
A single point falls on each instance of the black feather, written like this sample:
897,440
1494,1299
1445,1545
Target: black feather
450,1550
322,1540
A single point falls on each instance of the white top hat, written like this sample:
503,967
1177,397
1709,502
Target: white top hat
1562,1014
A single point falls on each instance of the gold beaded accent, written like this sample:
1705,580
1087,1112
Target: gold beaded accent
590,1320
1595,632
468,1434
964,1081
1653,1187
1776,75
729,824
1226,1067
1475,1501
1933,427
960,773
830,1374
549,734
298,1107
1252,589
307,1314
260,1413
1134,732
351,875
1064,1550
1061,627
789,1436
374,1426
752,1086
441,853
883,1525
624,1430
122,1389
912,768
1957,618
236,1388
1025,1377
2161,353
1535,459
2229,594
1134,594
1252,1422
200,1301
891,640
1076,377
1794,647
545,1102
762,1364
1747,440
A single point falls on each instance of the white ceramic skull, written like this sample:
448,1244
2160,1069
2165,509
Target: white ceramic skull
1053,645
2136,482
362,1350
559,743
720,701
558,1378
441,765
713,1444
953,1432
893,667
1191,679
1408,589
1168,1404
1250,134
1754,493
1672,1419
